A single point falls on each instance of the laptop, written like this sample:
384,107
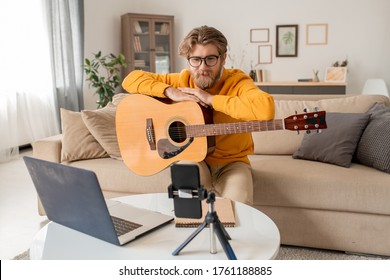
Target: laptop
72,197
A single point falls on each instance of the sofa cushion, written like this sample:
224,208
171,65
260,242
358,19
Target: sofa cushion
77,142
282,181
337,143
115,177
374,147
101,124
285,142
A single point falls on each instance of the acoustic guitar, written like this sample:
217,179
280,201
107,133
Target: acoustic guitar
152,135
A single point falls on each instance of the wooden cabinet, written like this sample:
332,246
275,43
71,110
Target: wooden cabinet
147,42
302,87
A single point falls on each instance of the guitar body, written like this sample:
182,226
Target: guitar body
150,133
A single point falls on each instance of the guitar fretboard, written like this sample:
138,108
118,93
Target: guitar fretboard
233,128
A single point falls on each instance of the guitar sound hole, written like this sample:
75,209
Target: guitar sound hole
177,132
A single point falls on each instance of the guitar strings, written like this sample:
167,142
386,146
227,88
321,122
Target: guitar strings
177,132
181,132
227,128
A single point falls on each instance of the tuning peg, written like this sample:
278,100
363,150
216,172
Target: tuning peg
295,117
305,110
308,131
316,109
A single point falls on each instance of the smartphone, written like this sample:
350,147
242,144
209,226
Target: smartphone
186,185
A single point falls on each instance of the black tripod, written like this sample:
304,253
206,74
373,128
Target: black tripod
216,228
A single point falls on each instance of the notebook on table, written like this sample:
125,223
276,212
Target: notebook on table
223,208
72,197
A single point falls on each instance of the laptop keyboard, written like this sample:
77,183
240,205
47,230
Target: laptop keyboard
123,226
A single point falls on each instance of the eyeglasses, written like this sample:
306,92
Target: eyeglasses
210,60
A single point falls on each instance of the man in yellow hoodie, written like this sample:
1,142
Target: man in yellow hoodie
229,92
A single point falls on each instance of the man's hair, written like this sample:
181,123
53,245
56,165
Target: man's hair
203,35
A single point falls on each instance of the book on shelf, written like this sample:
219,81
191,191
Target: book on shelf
305,80
137,27
164,29
160,49
139,63
137,44
260,75
223,208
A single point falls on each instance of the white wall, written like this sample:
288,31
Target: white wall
357,29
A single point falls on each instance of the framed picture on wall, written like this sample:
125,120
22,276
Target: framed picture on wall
287,40
260,35
317,34
265,54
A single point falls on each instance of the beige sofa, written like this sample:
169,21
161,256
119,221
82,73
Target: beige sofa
313,203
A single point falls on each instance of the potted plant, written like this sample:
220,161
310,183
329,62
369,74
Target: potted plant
106,82
343,63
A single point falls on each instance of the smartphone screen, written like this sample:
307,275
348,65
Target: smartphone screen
185,180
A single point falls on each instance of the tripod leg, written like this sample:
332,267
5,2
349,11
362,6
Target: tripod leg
213,218
223,239
188,240
225,232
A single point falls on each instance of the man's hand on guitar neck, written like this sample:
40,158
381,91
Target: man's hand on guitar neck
189,94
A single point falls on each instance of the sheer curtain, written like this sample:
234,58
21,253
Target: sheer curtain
27,107
66,28
41,68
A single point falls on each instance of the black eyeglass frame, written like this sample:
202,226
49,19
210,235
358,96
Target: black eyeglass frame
204,59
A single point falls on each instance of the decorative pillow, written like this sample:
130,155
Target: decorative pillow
336,144
374,147
101,124
77,142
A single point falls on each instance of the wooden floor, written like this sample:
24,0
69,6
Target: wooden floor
19,218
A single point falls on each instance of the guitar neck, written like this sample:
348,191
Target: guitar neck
233,128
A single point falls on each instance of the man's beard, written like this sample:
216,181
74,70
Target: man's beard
208,81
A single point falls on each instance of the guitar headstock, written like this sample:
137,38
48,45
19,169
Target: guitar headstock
306,121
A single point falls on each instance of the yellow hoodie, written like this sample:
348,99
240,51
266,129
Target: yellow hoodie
236,98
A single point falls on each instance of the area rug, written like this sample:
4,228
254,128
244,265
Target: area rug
292,253
23,256
300,253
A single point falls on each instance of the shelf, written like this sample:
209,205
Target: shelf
302,87
300,84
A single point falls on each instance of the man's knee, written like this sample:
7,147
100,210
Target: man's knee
235,182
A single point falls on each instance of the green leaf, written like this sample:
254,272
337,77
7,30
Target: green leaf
103,74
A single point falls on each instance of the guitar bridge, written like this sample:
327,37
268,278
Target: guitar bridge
150,135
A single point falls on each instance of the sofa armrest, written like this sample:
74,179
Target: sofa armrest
48,148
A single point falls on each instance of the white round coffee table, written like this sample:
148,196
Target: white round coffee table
255,236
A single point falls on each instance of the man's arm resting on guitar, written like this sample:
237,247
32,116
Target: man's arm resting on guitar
191,94
163,85
148,83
